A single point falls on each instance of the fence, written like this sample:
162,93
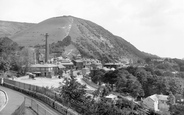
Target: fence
47,96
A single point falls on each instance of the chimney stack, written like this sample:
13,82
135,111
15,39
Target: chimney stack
46,48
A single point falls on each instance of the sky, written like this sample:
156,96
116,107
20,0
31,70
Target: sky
153,26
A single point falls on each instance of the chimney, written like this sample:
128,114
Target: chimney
46,48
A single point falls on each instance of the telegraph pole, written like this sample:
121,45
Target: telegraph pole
46,48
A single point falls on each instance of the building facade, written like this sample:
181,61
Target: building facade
44,70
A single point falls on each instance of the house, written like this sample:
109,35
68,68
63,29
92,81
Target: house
46,70
65,62
112,97
157,102
179,99
92,63
85,71
78,64
114,65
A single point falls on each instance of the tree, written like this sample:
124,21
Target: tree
148,60
129,84
97,75
175,85
60,72
5,64
131,70
141,75
72,91
109,77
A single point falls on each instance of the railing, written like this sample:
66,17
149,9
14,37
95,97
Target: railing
49,97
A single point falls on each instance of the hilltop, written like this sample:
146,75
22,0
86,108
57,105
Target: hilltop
75,36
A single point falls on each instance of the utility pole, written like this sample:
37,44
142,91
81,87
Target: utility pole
46,48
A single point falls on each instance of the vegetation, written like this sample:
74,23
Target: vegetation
13,57
73,94
144,81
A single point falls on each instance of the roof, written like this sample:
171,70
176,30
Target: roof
113,64
162,97
153,97
60,58
78,61
111,96
68,63
36,72
61,66
156,97
44,65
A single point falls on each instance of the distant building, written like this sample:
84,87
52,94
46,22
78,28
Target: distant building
65,62
92,63
157,102
45,70
78,64
114,65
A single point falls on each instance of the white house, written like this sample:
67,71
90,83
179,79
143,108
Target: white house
157,102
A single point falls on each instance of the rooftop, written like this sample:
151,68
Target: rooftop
44,65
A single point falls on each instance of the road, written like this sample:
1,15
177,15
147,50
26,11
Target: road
15,99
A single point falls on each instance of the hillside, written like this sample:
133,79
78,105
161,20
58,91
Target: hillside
7,44
7,28
79,35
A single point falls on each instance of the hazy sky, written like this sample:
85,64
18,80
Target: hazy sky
154,26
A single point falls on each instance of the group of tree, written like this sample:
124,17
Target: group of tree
13,57
138,81
142,82
74,95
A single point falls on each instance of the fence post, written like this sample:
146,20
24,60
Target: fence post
37,108
55,96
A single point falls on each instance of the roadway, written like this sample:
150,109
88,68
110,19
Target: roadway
15,99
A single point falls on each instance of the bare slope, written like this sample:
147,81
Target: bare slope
7,28
90,39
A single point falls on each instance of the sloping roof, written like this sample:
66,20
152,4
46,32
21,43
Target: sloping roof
68,63
44,65
111,96
79,61
153,97
156,97
61,66
162,97
60,58
113,64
